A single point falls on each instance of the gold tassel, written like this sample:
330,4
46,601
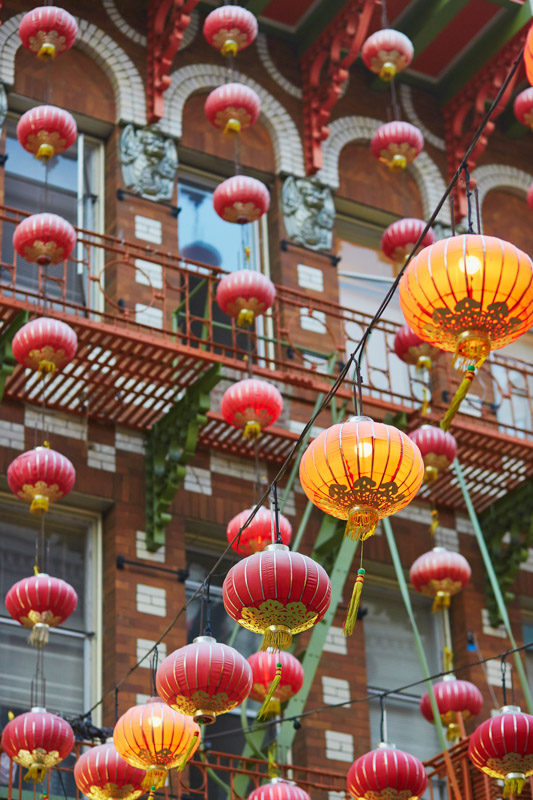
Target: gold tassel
252,430
460,395
447,659
423,362
263,711
425,405
188,753
272,769
434,522
453,734
441,601
513,786
154,779
39,634
35,773
351,616
278,637
245,318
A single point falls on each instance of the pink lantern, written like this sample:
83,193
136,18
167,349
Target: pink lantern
44,239
251,405
437,447
230,29
232,107
48,31
523,107
38,741
244,295
40,603
400,238
278,789
411,349
46,131
45,344
241,199
41,477
387,52
440,574
258,533
397,144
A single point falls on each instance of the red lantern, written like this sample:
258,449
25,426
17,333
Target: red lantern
44,239
241,199
46,131
244,295
40,603
278,789
277,593
400,238
232,107
41,477
438,449
411,349
264,669
523,107
230,29
48,31
530,196
45,344
502,747
204,679
258,533
251,405
453,697
397,144
38,741
101,774
387,773
440,574
387,52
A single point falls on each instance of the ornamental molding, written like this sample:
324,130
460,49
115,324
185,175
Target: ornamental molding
500,176
286,141
406,96
123,75
426,173
269,66
139,38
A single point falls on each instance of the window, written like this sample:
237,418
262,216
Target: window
387,630
69,185
71,657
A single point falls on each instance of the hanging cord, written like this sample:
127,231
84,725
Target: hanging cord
396,110
468,198
504,672
384,17
153,670
116,703
478,213
383,719
207,627
358,391
274,508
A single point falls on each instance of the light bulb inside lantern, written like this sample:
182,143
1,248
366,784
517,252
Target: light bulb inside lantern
469,264
364,449
156,722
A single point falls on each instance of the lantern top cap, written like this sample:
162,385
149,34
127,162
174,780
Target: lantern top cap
386,746
210,639
438,550
510,710
276,546
109,740
449,677
38,710
361,418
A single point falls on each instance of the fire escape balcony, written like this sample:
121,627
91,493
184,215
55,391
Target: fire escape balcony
149,326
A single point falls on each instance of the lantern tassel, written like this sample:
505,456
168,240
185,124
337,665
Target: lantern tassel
453,734
425,404
434,522
188,753
278,637
441,601
252,430
245,318
35,773
39,634
266,708
154,779
514,785
351,616
460,395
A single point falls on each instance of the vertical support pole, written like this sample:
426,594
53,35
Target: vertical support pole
494,583
418,639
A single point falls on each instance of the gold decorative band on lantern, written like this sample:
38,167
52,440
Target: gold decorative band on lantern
441,601
278,637
514,783
252,430
361,524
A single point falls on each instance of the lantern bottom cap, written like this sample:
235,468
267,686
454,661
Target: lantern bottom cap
278,637
47,52
471,349
362,521
39,634
39,505
430,474
397,163
514,783
245,318
204,717
388,71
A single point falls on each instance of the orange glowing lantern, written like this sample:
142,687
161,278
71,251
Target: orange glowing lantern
156,738
361,471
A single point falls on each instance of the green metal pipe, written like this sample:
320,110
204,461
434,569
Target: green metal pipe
418,639
493,582
302,526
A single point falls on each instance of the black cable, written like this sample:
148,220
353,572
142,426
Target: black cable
354,358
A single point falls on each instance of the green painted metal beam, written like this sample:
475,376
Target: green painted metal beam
257,6
502,31
8,361
426,20
493,582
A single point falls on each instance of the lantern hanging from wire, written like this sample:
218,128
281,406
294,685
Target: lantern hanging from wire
440,574
411,349
46,131
277,593
41,602
258,533
40,477
453,697
502,747
387,773
230,29
437,447
268,667
397,144
45,344
101,774
361,471
204,679
399,238
44,239
529,196
48,31
245,295
232,107
387,52
37,740
241,199
523,107
252,405
156,738
278,789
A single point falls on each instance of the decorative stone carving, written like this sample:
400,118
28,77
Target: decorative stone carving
3,105
149,162
308,212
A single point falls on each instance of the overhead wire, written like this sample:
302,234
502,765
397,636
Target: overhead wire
355,359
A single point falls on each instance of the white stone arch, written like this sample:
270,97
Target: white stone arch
130,99
283,132
500,176
361,129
